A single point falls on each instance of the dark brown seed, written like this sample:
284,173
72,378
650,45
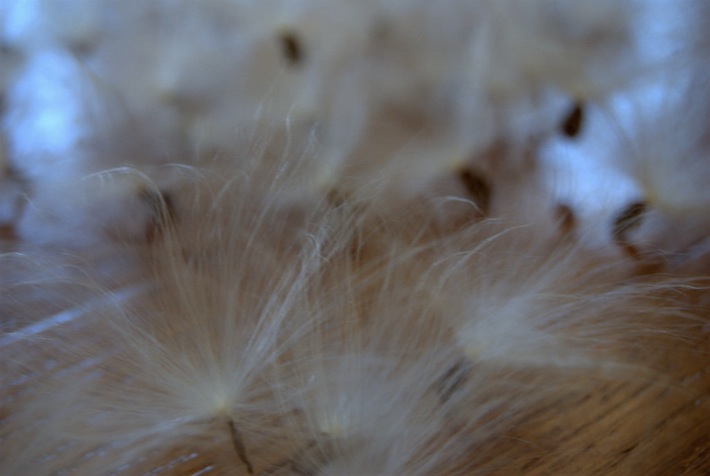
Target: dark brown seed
566,218
291,48
478,188
574,120
626,221
629,218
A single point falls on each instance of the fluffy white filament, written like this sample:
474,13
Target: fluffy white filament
332,237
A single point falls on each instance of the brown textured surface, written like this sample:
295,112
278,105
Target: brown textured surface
616,428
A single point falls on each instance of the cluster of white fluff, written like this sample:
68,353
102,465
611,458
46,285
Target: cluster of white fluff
320,339
379,95
344,237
